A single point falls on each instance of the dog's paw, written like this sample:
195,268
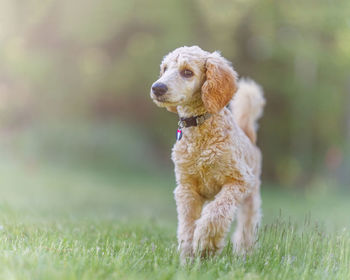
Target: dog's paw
186,252
208,238
242,245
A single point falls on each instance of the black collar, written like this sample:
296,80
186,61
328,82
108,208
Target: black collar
193,121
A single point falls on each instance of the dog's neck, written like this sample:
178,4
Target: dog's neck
192,109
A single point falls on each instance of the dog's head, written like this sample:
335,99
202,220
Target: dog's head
189,74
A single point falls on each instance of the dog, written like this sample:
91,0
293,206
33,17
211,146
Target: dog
217,163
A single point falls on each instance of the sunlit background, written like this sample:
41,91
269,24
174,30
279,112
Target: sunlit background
79,133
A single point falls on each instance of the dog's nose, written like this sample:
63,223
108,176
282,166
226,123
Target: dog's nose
159,89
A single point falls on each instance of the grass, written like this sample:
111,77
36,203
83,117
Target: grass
71,221
105,250
60,224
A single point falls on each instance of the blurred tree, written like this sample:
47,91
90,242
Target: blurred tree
97,59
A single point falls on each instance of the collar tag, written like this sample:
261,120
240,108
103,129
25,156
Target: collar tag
178,134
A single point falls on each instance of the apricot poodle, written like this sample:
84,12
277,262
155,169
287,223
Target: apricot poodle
217,164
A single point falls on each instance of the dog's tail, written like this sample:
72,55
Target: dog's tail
247,106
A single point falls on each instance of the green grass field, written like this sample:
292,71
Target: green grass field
62,224
62,217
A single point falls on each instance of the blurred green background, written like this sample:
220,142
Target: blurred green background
75,78
86,178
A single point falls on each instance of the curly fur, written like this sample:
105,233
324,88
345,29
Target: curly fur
217,164
220,84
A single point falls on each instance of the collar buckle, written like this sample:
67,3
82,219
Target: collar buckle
181,124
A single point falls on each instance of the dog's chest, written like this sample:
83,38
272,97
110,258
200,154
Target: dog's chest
201,162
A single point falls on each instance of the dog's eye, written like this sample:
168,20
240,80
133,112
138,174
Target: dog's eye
186,73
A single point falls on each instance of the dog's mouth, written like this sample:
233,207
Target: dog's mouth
164,103
163,100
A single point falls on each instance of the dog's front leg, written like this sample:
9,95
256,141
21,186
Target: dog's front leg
215,221
189,206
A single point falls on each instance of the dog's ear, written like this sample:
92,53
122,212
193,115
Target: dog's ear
172,109
220,84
